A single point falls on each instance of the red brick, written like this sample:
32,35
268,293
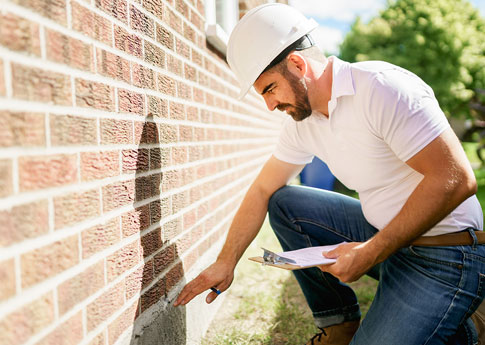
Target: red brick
182,48
76,207
3,91
171,229
146,133
157,107
165,37
141,23
118,194
147,187
91,24
159,209
184,90
151,242
116,132
48,261
78,288
154,55
69,51
134,281
135,221
153,295
175,22
177,111
189,33
182,7
179,155
190,73
159,158
6,178
186,133
7,277
168,133
115,8
130,102
174,65
143,77
46,171
38,85
129,43
112,65
19,34
163,259
94,95
123,260
72,130
52,9
69,332
155,7
18,326
99,165
198,95
104,306
100,237
135,160
174,276
122,322
22,129
99,339
24,222
166,85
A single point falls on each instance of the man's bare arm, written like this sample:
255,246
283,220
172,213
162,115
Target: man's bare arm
448,181
244,228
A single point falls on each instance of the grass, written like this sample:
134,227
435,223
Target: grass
266,306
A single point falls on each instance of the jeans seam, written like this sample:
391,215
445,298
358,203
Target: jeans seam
440,262
304,220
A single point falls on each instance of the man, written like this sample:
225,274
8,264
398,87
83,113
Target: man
381,131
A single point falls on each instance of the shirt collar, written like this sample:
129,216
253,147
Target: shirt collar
342,82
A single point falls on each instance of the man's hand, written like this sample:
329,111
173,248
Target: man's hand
353,261
217,275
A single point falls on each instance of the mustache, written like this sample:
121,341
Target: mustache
283,106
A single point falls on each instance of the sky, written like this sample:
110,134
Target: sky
335,17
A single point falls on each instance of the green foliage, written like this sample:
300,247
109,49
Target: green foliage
442,41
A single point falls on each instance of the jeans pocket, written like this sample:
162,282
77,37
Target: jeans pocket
441,263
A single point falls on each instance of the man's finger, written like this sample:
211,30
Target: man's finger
211,297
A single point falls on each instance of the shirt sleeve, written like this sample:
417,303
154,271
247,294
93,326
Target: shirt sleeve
404,112
290,148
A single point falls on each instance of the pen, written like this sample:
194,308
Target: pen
217,291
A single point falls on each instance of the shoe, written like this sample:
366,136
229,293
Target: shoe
335,335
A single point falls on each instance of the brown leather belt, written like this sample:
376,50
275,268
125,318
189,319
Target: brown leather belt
462,238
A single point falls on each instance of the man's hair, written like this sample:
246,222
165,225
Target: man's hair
305,45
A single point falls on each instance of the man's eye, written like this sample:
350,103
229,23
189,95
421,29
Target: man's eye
271,90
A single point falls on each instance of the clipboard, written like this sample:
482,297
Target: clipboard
289,267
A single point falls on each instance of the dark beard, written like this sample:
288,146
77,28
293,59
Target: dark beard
301,109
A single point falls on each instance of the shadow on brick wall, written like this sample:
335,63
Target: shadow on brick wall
157,321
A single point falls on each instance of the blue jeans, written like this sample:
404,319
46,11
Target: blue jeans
425,294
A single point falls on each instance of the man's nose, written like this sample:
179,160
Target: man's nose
271,103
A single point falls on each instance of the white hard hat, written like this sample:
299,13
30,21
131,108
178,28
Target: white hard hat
260,36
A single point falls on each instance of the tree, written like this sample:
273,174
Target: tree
442,41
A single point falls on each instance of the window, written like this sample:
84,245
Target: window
221,17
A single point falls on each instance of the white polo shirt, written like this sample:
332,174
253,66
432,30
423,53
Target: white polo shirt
380,116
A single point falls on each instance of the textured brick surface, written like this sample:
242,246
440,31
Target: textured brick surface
136,220
116,132
122,260
43,172
129,43
91,24
76,207
99,165
19,34
38,85
122,322
23,222
51,9
72,130
115,8
49,260
100,237
112,65
105,305
7,277
22,129
70,51
118,194
95,95
78,288
68,333
130,102
28,320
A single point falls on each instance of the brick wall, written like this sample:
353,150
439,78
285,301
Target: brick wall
123,157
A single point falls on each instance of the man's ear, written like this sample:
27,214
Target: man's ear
297,64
